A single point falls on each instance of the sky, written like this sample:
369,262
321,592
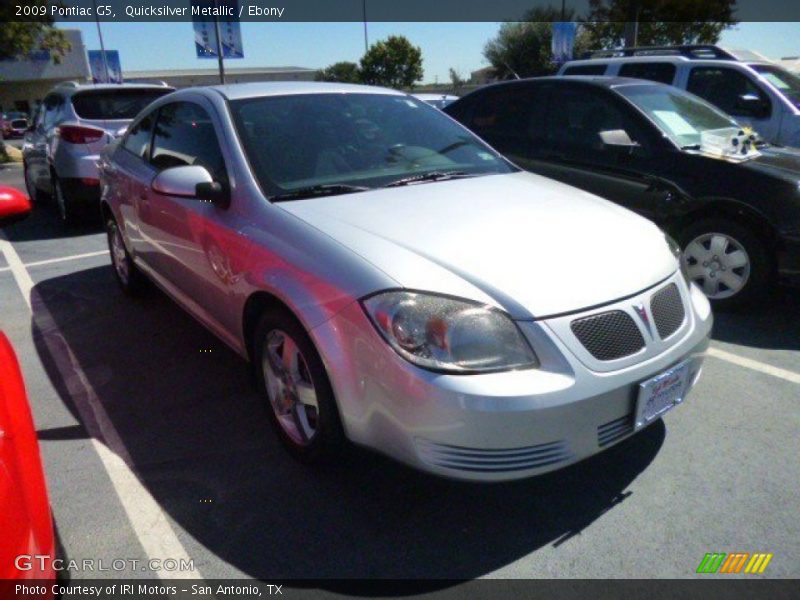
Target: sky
145,46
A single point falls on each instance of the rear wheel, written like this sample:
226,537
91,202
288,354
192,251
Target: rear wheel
66,208
729,262
291,376
130,279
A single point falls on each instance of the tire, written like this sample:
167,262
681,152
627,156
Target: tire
733,265
66,208
291,377
129,278
36,196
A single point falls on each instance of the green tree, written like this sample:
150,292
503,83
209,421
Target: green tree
524,48
661,22
344,72
19,38
394,62
456,80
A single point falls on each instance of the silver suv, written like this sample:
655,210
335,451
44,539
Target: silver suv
760,94
70,128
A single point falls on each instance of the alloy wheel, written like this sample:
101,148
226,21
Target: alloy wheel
292,394
119,257
718,263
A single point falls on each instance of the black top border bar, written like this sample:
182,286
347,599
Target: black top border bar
131,11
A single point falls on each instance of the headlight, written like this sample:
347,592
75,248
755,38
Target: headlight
444,334
677,253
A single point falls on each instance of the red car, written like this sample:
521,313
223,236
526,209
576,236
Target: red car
26,524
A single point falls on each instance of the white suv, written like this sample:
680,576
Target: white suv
760,94
71,127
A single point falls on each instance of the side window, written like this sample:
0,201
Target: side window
585,70
184,135
574,129
512,118
724,88
137,141
661,72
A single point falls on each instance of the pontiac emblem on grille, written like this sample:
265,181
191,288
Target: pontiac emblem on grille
640,310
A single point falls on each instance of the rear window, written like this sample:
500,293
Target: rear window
114,104
585,70
19,123
660,72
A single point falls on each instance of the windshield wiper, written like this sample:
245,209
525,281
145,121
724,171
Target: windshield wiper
691,147
430,176
331,189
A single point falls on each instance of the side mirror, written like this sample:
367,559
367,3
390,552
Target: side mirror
618,139
14,206
752,105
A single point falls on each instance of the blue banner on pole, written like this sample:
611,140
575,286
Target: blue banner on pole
204,12
98,68
563,41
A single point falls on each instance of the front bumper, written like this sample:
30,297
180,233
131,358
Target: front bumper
497,426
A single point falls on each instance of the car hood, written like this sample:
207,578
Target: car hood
776,161
528,244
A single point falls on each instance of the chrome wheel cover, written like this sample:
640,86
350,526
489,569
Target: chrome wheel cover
119,256
718,263
291,391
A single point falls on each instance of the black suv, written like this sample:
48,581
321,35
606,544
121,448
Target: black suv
732,202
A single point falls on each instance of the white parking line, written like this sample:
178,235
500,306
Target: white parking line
50,261
148,521
755,365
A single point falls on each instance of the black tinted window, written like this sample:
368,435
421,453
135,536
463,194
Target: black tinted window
574,129
114,104
138,138
722,87
184,135
661,72
512,118
585,70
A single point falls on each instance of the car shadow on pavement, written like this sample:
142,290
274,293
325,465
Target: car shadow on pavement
44,223
772,324
198,438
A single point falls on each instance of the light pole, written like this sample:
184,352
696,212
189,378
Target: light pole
219,46
366,41
102,45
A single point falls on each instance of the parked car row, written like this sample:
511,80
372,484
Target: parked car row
402,282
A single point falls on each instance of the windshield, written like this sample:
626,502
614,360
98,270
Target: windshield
114,103
366,140
786,83
682,116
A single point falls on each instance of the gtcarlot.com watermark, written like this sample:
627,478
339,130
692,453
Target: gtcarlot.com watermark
42,562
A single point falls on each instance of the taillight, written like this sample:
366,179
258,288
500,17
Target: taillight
77,134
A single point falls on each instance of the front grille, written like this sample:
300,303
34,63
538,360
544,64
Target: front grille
667,308
614,430
609,335
490,460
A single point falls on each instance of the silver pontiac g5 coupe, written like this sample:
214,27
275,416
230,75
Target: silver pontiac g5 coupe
396,283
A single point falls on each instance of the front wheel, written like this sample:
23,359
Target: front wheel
292,377
729,262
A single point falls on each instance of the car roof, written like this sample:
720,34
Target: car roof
239,91
606,81
69,89
602,60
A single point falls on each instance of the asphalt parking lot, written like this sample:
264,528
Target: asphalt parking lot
155,445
